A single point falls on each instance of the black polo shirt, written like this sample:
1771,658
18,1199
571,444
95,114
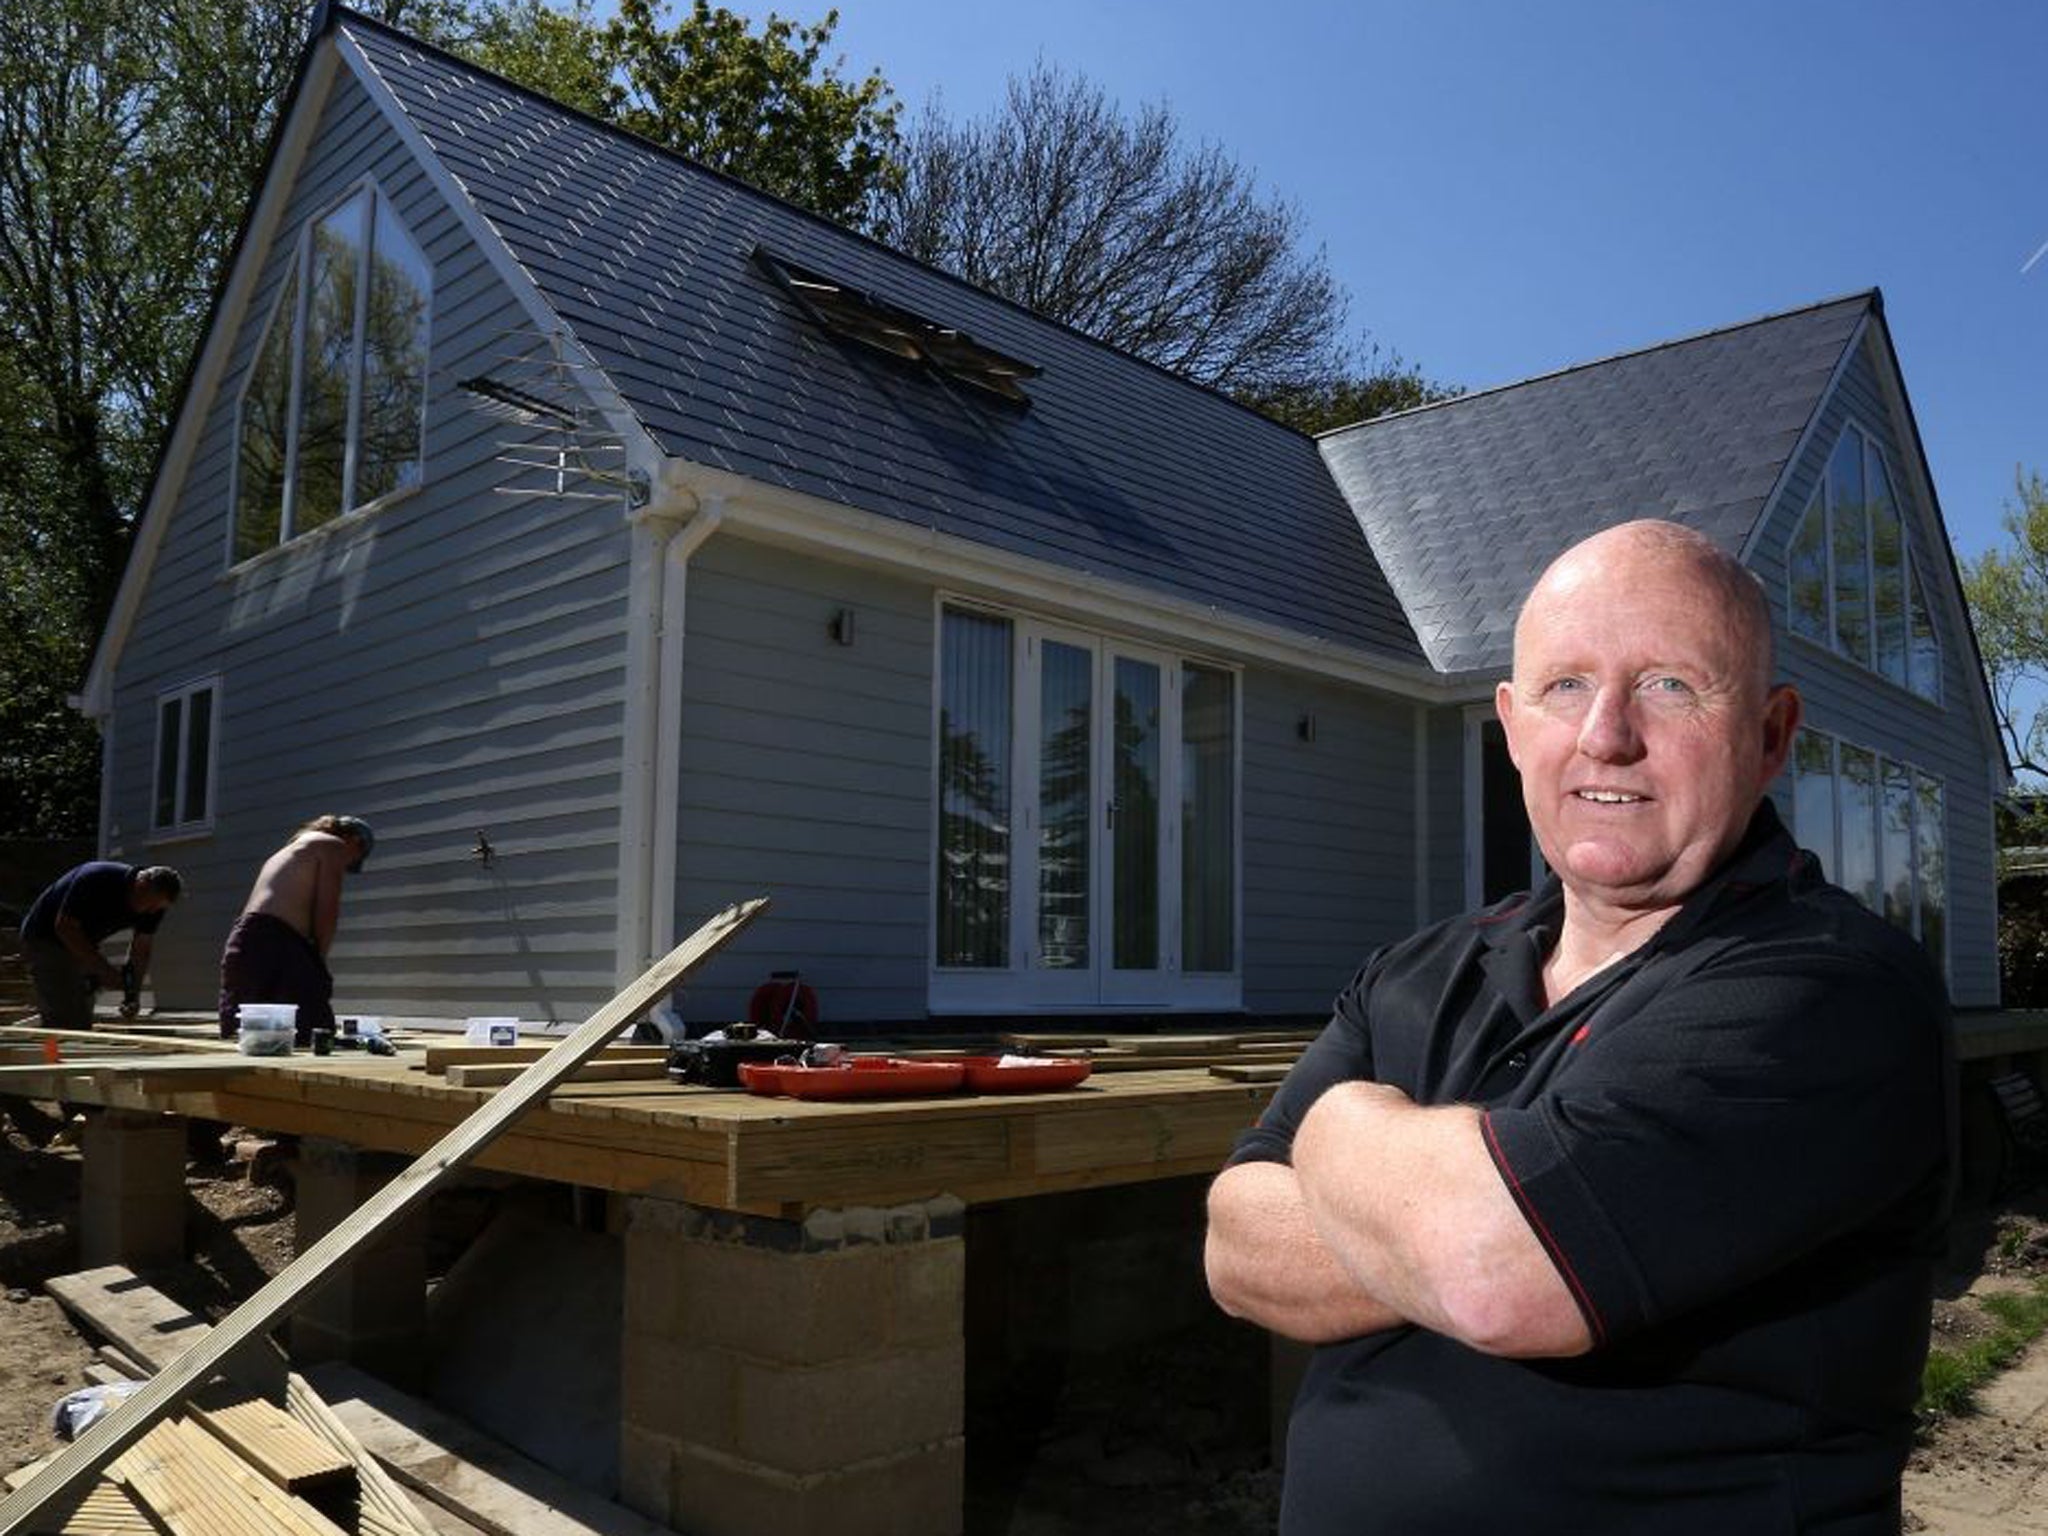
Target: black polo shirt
1735,1144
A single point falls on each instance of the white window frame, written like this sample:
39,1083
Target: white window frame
178,828
1819,504
1019,987
300,273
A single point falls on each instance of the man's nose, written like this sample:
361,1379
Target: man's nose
1608,733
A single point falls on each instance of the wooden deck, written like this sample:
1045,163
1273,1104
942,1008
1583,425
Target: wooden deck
719,1148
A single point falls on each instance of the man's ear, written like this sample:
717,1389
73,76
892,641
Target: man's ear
1783,710
1504,709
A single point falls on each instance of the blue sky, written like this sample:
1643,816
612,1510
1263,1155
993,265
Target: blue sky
1505,189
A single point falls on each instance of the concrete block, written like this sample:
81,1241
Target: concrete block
927,1292
917,1493
646,1473
681,1393
784,1306
131,1207
804,1419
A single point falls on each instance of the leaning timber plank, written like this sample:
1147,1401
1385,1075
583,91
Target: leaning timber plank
137,1319
277,1445
494,1075
439,1058
383,1507
482,1480
283,1294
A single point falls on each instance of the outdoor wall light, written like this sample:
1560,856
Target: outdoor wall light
1305,727
841,627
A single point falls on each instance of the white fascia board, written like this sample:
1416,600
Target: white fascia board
1913,455
641,452
97,697
776,515
1806,436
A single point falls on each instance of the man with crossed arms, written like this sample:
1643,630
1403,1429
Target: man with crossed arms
1612,1208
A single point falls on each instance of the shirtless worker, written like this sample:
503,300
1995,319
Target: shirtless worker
277,950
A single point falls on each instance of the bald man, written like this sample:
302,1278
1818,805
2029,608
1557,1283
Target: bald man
1613,1207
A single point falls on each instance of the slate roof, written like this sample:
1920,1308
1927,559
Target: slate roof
1464,502
1116,468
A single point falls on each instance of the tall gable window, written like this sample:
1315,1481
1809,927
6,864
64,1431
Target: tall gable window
1852,586
333,413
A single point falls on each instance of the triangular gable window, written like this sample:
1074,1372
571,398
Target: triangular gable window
848,311
1852,583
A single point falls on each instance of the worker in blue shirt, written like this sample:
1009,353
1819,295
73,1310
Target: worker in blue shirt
66,925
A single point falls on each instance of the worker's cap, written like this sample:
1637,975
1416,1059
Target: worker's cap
357,828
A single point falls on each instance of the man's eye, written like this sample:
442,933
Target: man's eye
1666,685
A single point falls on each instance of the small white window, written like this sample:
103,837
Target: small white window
186,727
332,417
1850,582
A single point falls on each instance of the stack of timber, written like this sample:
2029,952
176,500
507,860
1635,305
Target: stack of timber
232,1463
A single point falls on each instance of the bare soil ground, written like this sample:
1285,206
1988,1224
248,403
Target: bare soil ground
1149,1446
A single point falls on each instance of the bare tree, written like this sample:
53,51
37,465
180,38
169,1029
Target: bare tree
1113,225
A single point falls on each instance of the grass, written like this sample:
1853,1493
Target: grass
1949,1384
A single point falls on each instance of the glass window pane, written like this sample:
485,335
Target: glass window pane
1208,794
1924,664
974,791
1859,826
1504,834
1850,525
1134,912
1895,853
1888,568
329,351
1813,799
169,715
260,446
1808,596
394,362
1930,835
198,752
1066,712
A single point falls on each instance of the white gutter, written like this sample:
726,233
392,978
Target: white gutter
668,722
665,533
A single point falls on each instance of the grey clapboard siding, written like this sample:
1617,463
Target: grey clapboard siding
807,777
448,664
1850,702
1329,837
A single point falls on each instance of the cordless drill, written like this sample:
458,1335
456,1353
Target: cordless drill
131,991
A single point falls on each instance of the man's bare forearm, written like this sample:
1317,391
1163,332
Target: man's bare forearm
1267,1265
1407,1201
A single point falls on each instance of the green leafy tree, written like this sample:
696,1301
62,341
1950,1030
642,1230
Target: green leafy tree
2008,593
769,109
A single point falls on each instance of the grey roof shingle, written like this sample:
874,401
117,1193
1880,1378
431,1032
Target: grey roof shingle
1117,468
1464,502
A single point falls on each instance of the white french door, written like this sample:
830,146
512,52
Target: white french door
1098,865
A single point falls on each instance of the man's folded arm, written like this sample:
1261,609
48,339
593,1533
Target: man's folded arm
1267,1265
1409,1202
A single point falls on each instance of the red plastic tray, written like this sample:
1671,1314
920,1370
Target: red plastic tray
859,1077
1037,1074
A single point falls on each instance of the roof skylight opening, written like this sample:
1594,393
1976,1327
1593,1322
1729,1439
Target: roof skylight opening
847,311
